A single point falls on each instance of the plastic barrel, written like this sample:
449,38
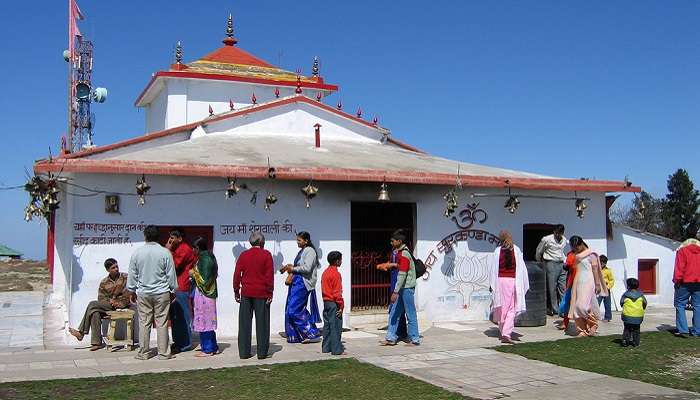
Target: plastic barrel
536,309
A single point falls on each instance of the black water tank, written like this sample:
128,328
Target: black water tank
536,310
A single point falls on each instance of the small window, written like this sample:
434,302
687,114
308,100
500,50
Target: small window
646,274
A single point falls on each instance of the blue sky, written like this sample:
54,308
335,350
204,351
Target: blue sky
573,89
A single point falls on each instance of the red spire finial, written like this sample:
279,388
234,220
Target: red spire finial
277,93
230,104
230,40
359,112
298,89
339,106
319,96
211,110
254,99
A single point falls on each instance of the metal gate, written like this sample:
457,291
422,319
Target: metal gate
371,229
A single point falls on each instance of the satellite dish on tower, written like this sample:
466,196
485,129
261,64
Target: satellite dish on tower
100,95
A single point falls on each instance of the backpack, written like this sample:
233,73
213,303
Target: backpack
418,264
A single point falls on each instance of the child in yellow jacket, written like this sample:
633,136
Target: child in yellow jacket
609,283
633,305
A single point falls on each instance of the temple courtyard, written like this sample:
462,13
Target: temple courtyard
459,357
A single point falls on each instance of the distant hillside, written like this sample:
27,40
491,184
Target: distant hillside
23,275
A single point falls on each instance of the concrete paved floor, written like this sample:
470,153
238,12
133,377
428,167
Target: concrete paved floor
453,355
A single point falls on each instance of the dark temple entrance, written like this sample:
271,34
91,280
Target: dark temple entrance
371,228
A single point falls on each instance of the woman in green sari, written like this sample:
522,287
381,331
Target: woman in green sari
204,275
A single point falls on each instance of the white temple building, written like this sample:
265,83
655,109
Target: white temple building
230,120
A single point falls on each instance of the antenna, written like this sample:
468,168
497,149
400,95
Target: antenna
81,92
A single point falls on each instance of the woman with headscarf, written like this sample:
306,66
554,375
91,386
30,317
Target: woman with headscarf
509,283
588,283
204,275
299,323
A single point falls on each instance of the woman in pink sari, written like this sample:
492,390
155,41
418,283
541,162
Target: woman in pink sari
587,285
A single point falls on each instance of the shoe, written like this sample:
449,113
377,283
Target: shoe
264,357
246,357
77,334
681,335
165,356
413,344
142,357
387,343
96,347
314,340
506,340
282,334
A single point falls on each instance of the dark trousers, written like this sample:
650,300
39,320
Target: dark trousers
92,320
630,334
245,326
181,320
332,329
606,304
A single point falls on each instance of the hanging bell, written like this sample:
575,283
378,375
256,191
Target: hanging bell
512,204
27,214
232,189
581,207
141,189
383,193
310,191
451,202
269,201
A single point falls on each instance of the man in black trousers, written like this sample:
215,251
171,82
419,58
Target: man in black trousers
253,284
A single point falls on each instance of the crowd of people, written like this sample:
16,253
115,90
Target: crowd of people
177,283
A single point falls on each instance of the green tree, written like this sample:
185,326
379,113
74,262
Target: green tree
681,217
644,213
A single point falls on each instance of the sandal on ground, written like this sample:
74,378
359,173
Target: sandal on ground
387,343
96,347
77,334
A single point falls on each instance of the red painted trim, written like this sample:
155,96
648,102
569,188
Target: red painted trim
324,174
50,241
216,77
220,117
405,146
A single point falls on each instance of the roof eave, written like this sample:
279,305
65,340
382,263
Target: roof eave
325,174
143,99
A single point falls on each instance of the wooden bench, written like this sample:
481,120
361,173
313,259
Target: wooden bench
127,316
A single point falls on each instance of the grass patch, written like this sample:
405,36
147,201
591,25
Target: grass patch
335,379
662,359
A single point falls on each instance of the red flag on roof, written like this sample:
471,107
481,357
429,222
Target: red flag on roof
74,14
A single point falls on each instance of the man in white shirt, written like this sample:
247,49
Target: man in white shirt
551,252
